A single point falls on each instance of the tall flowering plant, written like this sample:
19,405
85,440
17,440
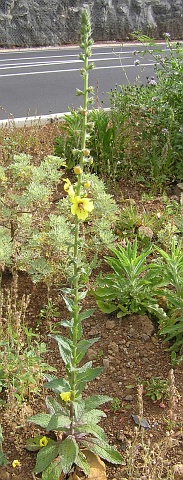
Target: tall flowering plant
73,418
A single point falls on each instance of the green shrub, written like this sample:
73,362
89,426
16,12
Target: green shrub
155,113
132,287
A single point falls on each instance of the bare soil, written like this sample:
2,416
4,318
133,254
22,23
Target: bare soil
130,352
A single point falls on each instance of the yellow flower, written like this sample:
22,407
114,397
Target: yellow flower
81,207
68,187
16,464
43,442
65,396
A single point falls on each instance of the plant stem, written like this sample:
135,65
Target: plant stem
76,251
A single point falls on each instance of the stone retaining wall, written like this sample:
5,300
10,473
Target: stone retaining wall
57,22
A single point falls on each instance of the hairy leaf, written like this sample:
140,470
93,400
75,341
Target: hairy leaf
106,307
88,375
94,401
68,450
58,422
64,345
54,407
44,457
41,419
82,463
93,416
58,385
92,429
86,314
33,444
53,471
83,346
104,450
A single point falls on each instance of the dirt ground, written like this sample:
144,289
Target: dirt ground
130,351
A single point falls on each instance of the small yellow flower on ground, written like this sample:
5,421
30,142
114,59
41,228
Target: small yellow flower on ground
16,464
81,207
65,396
43,442
68,187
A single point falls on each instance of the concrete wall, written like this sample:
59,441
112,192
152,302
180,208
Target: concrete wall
57,22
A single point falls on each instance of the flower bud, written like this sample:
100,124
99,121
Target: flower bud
87,184
77,170
86,152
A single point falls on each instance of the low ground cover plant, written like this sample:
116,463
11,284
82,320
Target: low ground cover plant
138,286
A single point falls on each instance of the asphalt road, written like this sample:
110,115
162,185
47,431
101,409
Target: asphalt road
44,81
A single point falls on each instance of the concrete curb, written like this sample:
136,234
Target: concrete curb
36,120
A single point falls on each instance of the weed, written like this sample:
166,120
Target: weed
21,365
115,404
156,388
132,287
48,312
145,459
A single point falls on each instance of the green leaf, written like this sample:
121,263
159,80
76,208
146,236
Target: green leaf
106,290
155,310
68,450
53,471
105,451
106,307
54,407
83,346
94,401
92,417
82,462
88,375
78,91
123,311
86,314
33,444
66,323
82,295
92,429
41,419
79,408
64,345
69,303
58,385
3,459
58,422
45,456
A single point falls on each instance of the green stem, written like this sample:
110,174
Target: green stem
76,249
75,325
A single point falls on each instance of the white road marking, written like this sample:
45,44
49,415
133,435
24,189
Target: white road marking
7,66
63,56
75,70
